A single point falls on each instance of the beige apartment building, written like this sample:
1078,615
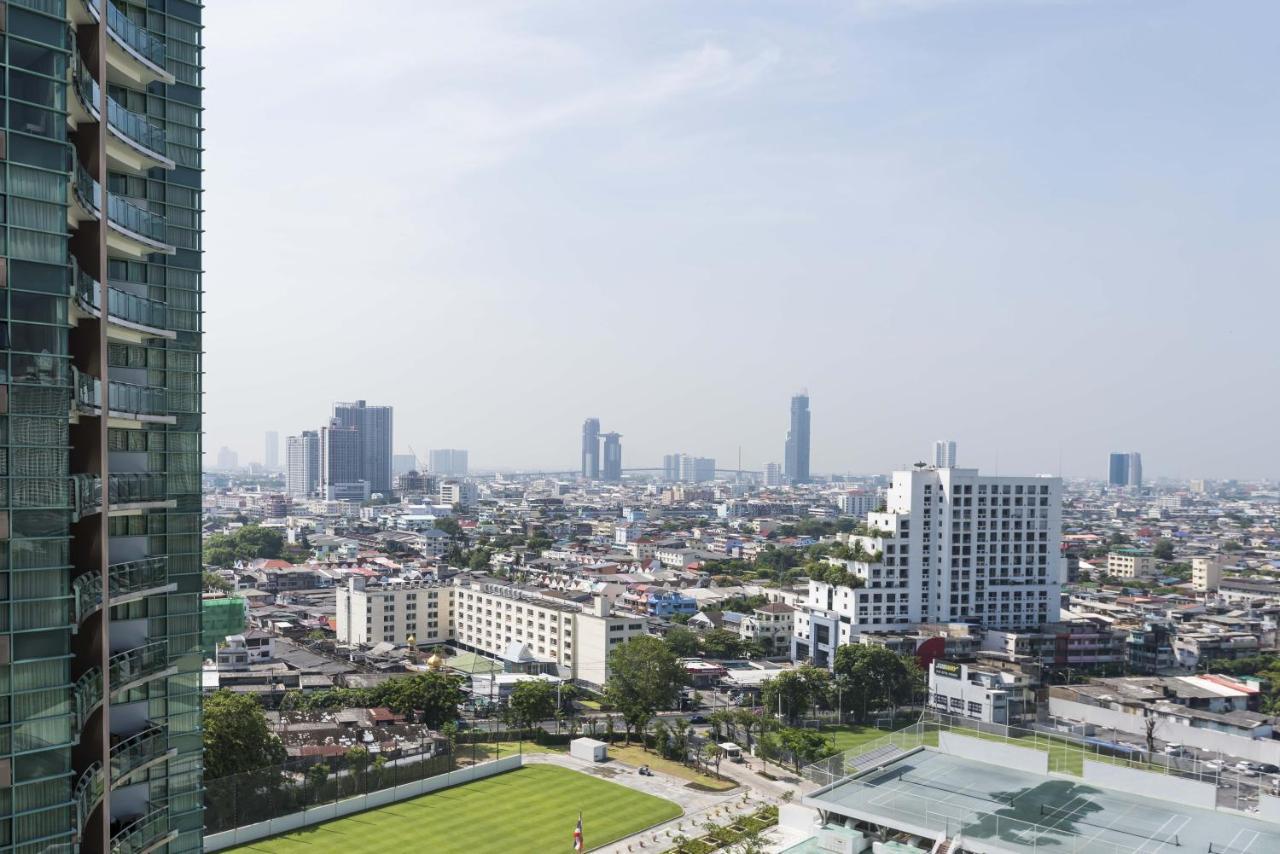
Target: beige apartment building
1130,563
528,627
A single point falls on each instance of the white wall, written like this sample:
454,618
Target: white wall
330,811
994,752
1255,749
1150,784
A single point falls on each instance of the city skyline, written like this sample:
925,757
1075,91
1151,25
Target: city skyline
978,123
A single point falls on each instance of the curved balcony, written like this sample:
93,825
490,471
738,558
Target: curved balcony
126,310
134,231
134,55
139,752
137,666
129,581
144,834
134,144
124,400
87,795
136,491
88,696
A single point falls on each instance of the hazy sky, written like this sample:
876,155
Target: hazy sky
1047,230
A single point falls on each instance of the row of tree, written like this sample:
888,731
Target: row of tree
863,680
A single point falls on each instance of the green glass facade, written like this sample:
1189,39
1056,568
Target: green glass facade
100,445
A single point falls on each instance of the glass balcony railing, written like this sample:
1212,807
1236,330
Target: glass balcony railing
136,127
133,125
128,215
128,488
121,212
87,793
135,576
144,834
88,190
138,663
125,306
136,38
88,694
122,397
131,754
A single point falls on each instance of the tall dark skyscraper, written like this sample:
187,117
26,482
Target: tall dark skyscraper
612,456
796,455
1125,469
374,426
591,449
100,430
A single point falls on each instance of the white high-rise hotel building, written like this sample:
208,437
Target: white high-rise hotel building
952,547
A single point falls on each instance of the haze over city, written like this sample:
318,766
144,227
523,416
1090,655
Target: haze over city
1045,230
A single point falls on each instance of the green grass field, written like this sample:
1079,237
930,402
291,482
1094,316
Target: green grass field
532,809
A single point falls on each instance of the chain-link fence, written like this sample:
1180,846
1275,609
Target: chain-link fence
1067,754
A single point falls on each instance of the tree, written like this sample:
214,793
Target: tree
711,752
248,543
357,758
872,677
791,692
1150,724
317,774
449,525
749,721
1163,549
214,583
644,676
806,745
681,641
236,736
434,696
532,701
722,644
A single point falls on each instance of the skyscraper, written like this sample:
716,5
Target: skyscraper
448,462
671,468
373,425
772,474
613,456
302,463
591,449
228,460
796,459
100,425
271,452
1125,469
944,454
341,463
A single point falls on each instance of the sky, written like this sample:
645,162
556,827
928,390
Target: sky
1044,229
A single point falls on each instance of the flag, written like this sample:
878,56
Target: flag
577,836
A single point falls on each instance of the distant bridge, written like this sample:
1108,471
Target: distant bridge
578,473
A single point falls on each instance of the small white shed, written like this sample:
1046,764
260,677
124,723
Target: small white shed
589,749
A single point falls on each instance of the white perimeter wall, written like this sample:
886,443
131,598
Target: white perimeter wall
382,797
1257,749
1151,784
994,752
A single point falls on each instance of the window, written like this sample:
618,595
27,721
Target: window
975,708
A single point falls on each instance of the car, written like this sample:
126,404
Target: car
698,719
1267,768
1212,765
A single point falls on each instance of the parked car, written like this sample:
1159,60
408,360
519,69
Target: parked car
1267,768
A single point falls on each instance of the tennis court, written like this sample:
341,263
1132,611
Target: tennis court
1002,809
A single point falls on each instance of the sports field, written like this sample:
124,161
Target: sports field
534,808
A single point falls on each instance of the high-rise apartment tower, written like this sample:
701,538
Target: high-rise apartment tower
271,451
1125,469
448,462
373,426
796,459
612,469
302,463
591,449
944,454
100,280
